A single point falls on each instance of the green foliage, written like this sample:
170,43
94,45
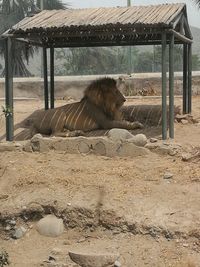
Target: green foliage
4,258
197,2
7,111
11,12
51,4
86,61
195,62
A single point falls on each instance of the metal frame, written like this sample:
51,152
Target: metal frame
171,86
144,35
9,90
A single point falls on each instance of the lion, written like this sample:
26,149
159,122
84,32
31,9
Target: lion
98,109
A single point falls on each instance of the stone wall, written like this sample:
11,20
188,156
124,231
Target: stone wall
73,86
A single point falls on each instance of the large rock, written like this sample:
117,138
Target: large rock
50,226
131,150
93,260
138,140
10,146
122,135
19,232
119,134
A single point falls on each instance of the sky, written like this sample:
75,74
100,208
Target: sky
192,10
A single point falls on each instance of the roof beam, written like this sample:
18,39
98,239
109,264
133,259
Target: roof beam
181,37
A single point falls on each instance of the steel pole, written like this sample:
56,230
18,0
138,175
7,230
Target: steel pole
41,72
41,4
189,78
171,86
52,77
185,78
9,90
129,49
164,87
45,69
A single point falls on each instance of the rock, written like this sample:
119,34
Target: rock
117,264
186,156
50,226
163,149
190,157
183,121
100,148
39,144
27,146
56,252
153,140
12,222
119,134
184,118
138,140
168,175
152,146
19,232
51,258
8,228
130,149
93,260
9,146
83,148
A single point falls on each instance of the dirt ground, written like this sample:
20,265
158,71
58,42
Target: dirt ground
118,205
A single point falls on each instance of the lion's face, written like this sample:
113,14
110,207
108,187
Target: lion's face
105,94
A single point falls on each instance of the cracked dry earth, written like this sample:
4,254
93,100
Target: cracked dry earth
118,205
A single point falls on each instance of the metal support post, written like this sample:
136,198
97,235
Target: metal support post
185,78
164,87
129,49
171,86
52,77
9,90
189,78
45,69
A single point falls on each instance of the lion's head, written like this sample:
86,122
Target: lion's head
105,94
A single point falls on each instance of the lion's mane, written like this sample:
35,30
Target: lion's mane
106,96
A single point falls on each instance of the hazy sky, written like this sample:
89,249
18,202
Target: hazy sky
192,10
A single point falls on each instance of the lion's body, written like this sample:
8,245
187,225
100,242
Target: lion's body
70,117
148,115
98,109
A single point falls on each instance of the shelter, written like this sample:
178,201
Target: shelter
117,26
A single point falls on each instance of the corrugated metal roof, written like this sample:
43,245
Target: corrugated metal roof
152,15
136,25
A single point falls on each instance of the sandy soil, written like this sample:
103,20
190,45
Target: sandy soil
118,205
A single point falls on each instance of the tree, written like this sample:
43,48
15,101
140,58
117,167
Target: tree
12,11
85,61
197,2
195,62
51,4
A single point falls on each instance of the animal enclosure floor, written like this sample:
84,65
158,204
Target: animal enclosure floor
118,205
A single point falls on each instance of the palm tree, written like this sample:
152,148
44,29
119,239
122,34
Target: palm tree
197,2
11,12
49,4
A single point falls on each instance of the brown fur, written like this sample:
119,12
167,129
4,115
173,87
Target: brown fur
106,96
98,109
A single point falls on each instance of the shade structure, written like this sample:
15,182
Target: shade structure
116,26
